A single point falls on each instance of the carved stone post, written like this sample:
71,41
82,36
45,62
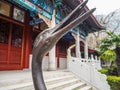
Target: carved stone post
52,59
78,54
86,49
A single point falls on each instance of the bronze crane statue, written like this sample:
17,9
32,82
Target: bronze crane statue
49,37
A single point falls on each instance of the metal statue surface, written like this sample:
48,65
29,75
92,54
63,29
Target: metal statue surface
48,38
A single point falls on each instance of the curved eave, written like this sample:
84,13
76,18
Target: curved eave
91,21
94,23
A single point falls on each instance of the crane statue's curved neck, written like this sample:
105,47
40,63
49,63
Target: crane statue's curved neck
48,38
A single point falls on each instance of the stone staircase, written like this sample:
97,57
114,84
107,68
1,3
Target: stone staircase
54,80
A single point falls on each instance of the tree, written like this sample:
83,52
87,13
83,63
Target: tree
110,49
111,22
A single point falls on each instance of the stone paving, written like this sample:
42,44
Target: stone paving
26,74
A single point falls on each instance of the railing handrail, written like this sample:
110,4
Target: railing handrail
86,70
97,63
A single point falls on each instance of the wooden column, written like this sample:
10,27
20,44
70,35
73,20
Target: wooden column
28,41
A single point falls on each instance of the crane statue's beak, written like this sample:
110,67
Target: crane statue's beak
71,16
70,21
62,31
52,35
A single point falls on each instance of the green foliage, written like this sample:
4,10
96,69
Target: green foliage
104,71
109,71
110,43
108,46
108,55
113,71
114,82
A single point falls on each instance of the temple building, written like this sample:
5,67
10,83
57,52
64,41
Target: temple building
22,20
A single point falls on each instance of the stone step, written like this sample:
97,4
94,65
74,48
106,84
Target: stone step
60,85
14,81
58,79
75,86
27,84
17,86
55,80
86,88
18,77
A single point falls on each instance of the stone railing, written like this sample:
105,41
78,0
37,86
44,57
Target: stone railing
86,71
95,62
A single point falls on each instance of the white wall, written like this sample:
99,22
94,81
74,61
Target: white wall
45,63
63,63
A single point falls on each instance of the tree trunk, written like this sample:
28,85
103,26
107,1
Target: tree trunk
111,64
118,60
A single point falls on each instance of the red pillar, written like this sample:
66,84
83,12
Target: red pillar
28,41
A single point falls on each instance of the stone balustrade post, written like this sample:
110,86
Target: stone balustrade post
78,53
52,56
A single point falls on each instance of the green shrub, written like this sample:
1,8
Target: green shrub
104,71
113,71
109,71
114,82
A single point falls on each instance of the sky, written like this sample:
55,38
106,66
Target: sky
103,6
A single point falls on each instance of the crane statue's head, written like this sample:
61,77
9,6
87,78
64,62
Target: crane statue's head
48,38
